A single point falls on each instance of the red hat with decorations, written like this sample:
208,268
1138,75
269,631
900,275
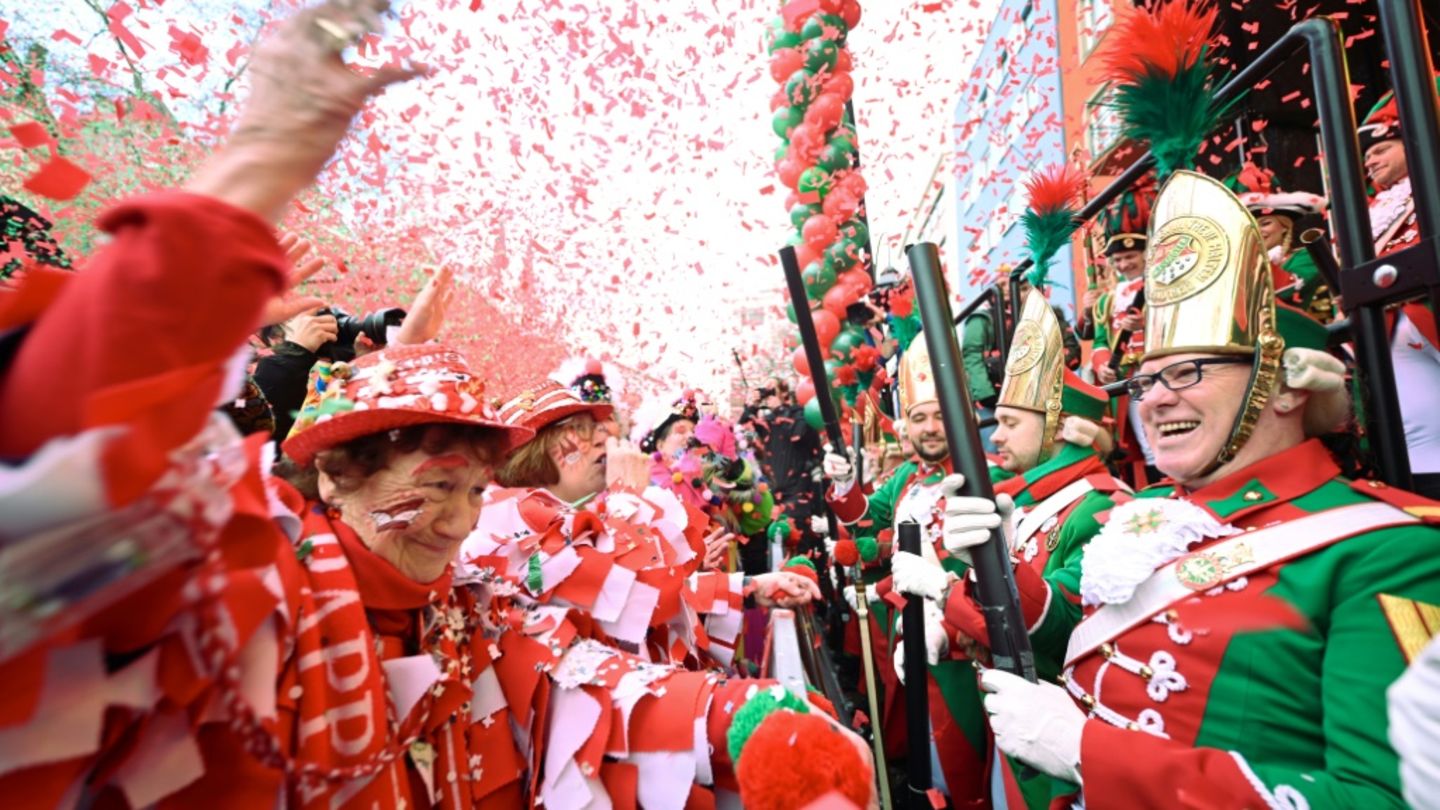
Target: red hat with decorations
548,402
398,387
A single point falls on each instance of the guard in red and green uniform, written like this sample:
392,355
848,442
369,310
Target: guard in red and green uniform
912,493
1049,423
1241,626
1300,283
1119,317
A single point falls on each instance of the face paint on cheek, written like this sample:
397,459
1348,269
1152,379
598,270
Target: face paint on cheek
398,516
570,448
448,461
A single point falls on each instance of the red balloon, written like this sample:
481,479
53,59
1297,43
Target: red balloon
820,232
827,327
791,200
831,6
857,281
801,363
784,63
806,254
850,13
843,62
853,182
824,112
779,100
839,84
788,170
805,390
839,298
593,366
840,204
806,140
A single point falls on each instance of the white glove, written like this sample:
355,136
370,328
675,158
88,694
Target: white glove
820,527
839,470
969,521
1037,723
917,576
936,642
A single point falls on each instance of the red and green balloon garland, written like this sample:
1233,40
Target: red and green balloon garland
817,162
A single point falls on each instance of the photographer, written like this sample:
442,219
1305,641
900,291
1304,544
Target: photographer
332,335
792,449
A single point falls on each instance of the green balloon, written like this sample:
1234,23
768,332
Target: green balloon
802,212
820,55
814,179
801,88
781,151
812,414
781,38
838,257
856,234
835,155
818,279
790,313
786,119
827,26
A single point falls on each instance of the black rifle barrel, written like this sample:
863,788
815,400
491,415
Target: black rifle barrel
814,355
994,580
917,687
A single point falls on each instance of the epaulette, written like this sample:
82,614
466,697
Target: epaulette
1417,505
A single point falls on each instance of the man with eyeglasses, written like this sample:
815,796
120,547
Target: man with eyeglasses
1241,625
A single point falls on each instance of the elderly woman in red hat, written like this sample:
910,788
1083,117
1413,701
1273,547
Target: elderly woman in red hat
577,523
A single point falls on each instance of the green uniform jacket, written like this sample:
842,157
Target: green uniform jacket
1218,701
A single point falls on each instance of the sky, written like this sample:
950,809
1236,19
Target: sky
601,169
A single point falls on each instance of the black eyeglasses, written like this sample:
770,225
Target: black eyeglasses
1178,376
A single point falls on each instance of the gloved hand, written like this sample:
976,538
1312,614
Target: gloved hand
936,641
820,526
839,470
969,521
1037,723
917,576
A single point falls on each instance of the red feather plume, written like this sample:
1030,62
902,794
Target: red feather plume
1054,187
1170,39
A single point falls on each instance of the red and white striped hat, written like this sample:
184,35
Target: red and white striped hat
548,402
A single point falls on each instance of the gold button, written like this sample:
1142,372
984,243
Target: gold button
1088,702
1252,495
1062,680
1146,672
1132,726
1107,649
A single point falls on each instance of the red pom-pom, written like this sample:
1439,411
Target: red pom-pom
593,366
846,553
793,759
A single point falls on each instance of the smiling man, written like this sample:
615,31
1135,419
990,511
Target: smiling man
1243,624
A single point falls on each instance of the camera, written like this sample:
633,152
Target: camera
350,327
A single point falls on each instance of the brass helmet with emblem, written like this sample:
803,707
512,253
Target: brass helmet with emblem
917,378
1209,289
1037,379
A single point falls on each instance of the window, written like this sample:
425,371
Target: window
1102,122
1096,17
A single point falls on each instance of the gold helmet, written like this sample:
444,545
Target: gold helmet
1209,289
1036,378
917,378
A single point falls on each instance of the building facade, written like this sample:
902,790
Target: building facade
1007,125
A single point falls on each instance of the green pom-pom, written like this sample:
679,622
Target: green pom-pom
799,560
868,547
754,712
779,530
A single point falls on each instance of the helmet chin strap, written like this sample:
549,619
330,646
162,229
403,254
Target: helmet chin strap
1268,351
